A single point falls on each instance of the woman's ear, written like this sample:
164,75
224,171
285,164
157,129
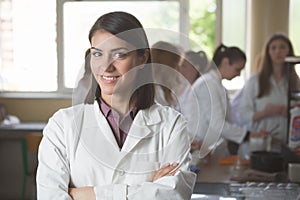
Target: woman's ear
225,61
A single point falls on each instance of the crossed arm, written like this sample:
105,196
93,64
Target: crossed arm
87,193
270,110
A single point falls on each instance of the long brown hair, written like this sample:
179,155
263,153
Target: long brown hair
265,67
165,53
122,22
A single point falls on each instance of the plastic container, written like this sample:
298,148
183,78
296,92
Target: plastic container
294,134
294,172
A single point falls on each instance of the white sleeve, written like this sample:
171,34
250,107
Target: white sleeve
180,186
190,108
247,103
219,108
213,106
53,168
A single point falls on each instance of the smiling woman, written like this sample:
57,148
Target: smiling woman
123,146
111,60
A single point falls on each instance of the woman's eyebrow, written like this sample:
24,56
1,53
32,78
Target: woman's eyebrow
112,50
96,48
120,48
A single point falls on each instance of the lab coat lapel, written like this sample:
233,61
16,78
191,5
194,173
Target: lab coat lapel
98,139
104,127
140,128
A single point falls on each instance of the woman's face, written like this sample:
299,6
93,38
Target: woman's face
111,59
278,50
189,71
234,69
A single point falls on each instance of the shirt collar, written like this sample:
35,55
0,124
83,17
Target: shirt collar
106,109
216,74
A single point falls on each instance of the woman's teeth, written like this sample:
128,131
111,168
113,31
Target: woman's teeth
109,78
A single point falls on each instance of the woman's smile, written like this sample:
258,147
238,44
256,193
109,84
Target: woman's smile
109,79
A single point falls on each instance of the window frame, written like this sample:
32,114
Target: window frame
183,28
63,92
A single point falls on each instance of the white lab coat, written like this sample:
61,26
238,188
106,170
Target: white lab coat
213,104
249,104
79,149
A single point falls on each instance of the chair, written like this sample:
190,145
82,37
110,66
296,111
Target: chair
30,144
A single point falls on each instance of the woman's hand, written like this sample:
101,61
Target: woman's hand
167,170
274,109
269,111
82,193
261,134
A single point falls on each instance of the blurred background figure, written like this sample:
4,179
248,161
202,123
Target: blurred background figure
193,64
86,87
263,105
166,58
214,127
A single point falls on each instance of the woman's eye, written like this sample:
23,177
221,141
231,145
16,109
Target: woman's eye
119,55
97,54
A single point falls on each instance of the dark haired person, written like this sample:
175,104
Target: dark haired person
166,58
194,64
124,146
215,124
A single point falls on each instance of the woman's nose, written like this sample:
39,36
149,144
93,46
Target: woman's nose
104,64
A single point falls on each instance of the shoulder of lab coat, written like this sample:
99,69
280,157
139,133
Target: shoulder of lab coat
213,102
53,170
57,143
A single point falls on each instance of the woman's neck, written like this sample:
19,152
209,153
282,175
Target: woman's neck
277,71
117,102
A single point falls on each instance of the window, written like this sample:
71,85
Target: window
27,46
78,17
234,34
42,47
202,16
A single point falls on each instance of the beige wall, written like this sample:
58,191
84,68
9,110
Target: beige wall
34,109
266,18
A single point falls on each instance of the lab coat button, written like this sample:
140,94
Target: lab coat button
121,172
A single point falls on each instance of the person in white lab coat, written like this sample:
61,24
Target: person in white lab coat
166,58
83,93
192,67
124,146
214,124
263,105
